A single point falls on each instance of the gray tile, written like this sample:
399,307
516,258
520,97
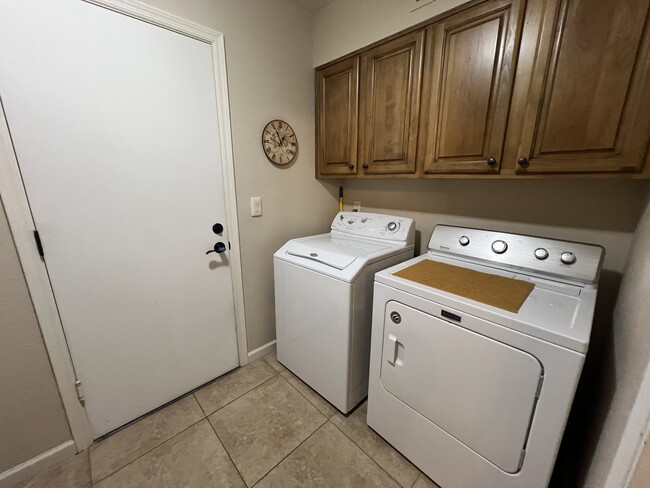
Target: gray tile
356,428
259,429
327,459
233,385
314,398
135,440
424,482
194,458
73,472
272,359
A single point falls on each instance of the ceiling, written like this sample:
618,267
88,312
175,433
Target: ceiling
313,5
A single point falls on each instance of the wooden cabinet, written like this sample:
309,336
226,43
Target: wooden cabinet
337,118
495,89
469,84
582,100
390,105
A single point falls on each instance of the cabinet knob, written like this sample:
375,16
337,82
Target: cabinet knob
492,162
365,165
351,166
523,161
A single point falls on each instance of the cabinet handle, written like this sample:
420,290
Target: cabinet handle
365,165
351,166
523,162
492,162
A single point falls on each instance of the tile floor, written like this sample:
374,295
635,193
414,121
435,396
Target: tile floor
256,426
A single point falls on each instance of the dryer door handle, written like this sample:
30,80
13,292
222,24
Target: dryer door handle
392,349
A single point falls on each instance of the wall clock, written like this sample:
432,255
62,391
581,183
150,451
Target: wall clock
279,142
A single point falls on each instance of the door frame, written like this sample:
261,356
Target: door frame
21,223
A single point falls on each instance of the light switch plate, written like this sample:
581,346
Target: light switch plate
256,206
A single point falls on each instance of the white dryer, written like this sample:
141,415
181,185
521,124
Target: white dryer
323,300
474,395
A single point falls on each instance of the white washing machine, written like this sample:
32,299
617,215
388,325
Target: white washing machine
323,300
474,395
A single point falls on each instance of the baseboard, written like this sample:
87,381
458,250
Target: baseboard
260,351
36,464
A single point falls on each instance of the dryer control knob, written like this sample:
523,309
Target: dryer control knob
392,226
568,257
464,240
541,253
499,246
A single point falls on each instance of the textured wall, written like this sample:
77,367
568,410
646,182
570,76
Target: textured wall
626,358
32,419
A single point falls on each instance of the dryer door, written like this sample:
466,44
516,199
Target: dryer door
480,391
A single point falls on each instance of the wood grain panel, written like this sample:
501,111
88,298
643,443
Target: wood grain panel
586,93
390,103
337,118
469,85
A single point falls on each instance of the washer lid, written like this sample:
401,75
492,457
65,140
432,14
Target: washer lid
331,251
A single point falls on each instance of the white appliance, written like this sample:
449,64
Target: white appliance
323,300
474,395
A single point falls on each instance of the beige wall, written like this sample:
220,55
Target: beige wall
270,75
641,477
32,419
346,25
626,359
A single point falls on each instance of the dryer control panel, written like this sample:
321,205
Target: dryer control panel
568,261
375,226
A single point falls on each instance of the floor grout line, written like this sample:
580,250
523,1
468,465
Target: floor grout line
147,452
275,373
292,451
305,397
205,417
372,458
227,453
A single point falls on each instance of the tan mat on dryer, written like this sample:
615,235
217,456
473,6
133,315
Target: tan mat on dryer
497,291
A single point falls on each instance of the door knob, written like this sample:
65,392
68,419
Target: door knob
217,228
219,247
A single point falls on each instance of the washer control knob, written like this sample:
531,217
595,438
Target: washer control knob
568,257
464,240
541,253
392,226
499,246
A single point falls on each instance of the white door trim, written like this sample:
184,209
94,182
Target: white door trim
14,198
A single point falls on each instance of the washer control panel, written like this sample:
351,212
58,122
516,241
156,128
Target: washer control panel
377,226
564,260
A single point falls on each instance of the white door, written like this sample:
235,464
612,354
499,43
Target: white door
114,124
480,391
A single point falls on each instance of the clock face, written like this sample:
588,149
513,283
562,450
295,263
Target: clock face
279,142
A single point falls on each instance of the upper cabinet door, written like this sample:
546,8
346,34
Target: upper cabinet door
582,89
337,118
469,86
390,105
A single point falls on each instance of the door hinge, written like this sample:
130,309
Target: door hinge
80,392
539,387
39,244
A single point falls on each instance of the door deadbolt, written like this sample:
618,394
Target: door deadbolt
395,317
